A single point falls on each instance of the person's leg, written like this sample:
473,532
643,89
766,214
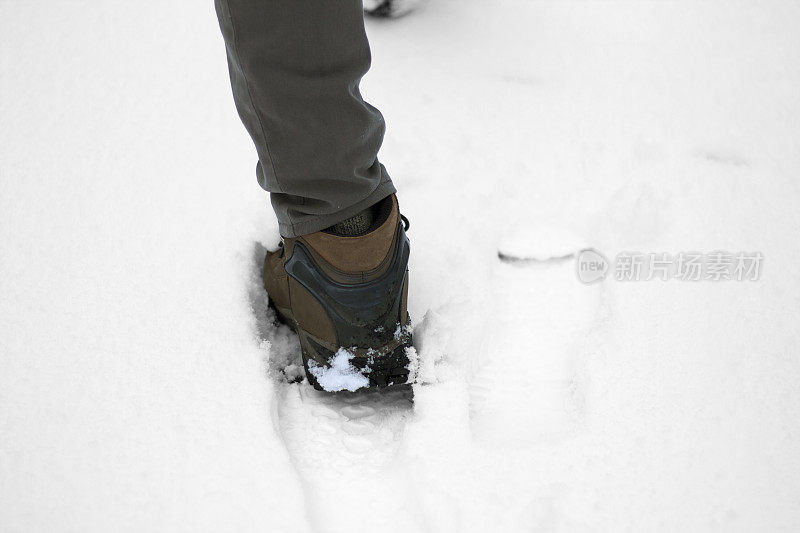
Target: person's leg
340,275
295,66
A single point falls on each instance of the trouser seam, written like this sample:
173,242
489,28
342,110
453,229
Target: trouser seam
234,34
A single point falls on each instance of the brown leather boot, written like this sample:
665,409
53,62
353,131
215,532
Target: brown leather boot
346,299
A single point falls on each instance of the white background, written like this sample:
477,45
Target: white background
141,383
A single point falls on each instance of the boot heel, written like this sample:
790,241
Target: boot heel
355,368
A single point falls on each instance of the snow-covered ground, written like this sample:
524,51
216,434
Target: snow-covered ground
143,386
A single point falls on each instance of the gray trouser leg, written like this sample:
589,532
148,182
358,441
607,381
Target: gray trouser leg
295,66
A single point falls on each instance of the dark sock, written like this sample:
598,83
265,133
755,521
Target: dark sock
358,224
363,222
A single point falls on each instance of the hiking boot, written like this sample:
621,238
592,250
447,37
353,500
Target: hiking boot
344,290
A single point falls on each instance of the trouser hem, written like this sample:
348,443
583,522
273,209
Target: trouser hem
321,222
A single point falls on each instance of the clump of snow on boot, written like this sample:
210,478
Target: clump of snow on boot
340,375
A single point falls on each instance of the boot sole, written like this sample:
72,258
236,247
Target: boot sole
384,366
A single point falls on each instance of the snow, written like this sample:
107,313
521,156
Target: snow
143,385
542,243
340,374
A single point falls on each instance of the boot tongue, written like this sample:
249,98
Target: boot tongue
356,225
